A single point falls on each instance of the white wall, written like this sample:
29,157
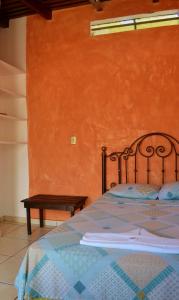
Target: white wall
13,158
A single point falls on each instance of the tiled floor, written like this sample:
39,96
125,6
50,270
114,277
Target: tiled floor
13,246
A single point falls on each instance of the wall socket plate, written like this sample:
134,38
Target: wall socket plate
73,140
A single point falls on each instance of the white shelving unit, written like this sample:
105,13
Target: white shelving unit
14,180
9,80
13,118
7,69
9,93
12,143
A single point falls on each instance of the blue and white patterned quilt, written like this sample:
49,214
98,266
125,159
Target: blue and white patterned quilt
57,267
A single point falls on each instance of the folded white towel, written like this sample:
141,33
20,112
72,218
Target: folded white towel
138,239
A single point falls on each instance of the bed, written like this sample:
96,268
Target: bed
58,267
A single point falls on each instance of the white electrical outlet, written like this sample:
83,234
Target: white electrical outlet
73,140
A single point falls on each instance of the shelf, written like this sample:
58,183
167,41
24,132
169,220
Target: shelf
12,143
6,92
7,69
13,118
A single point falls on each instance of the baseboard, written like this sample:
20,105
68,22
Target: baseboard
13,219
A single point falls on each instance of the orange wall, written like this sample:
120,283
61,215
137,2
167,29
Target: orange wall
106,90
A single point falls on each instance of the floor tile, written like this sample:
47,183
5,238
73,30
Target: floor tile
9,269
10,247
3,258
41,231
22,253
8,227
21,233
7,292
14,244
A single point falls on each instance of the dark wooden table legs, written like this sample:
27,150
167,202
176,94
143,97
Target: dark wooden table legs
72,211
28,221
45,201
41,217
29,230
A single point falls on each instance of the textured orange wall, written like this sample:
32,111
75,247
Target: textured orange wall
106,90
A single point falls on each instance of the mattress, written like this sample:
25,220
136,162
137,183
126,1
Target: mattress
57,267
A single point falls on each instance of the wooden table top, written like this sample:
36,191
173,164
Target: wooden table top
55,199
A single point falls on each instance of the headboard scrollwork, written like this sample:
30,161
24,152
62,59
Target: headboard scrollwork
152,145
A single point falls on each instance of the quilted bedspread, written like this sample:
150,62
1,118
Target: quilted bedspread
57,267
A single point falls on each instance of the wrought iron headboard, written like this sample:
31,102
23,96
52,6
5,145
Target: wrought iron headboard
139,148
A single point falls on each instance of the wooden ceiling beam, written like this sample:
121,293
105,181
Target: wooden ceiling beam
4,21
39,7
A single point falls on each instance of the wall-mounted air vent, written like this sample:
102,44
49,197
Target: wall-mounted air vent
141,21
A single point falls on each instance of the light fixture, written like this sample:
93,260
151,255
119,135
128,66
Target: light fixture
141,21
